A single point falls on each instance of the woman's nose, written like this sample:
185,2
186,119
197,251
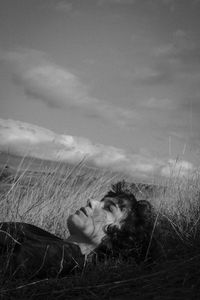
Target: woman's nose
93,203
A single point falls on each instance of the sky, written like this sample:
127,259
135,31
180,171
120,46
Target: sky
115,81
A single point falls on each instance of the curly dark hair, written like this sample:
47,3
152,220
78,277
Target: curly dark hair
134,239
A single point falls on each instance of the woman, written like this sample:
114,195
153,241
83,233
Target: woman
116,226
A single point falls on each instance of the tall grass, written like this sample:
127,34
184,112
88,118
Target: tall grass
46,198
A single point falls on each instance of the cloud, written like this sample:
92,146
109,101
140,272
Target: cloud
28,139
59,6
144,165
22,136
39,142
159,104
181,51
45,80
171,62
181,41
169,3
177,168
118,2
58,87
63,6
158,73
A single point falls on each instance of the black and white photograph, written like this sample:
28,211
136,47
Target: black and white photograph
100,149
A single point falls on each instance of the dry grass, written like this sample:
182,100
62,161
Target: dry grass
46,198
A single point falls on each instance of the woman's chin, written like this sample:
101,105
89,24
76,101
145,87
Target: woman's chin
74,224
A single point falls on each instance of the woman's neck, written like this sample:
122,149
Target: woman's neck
86,247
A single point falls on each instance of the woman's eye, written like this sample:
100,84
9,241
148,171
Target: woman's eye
111,207
107,207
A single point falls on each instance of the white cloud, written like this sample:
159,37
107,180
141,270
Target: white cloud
58,87
12,132
156,103
60,6
31,139
64,6
177,168
39,142
170,4
181,42
143,164
119,2
164,50
142,167
52,84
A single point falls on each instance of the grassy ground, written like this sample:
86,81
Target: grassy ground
47,196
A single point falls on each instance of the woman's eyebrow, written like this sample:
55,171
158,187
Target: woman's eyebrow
110,202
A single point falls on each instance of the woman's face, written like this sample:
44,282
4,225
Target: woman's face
90,222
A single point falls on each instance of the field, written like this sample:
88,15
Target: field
44,194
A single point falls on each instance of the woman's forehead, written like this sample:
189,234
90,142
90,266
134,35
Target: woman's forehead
120,200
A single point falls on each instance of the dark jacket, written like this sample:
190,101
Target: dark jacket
26,250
